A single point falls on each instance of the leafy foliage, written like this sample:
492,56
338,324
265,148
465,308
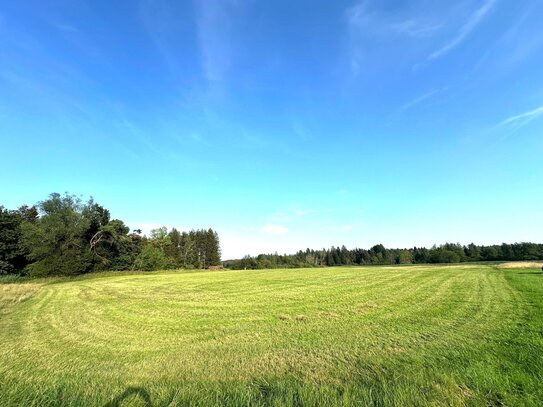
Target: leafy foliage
63,235
150,258
57,242
379,255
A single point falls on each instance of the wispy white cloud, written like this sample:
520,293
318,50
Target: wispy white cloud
130,128
69,28
357,14
419,99
300,130
295,213
274,229
415,28
196,137
52,96
522,38
215,20
365,16
360,20
472,23
522,119
164,22
288,215
375,32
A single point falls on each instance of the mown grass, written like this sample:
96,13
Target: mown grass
406,336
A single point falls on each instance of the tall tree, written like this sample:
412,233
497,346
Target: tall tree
212,248
13,257
57,242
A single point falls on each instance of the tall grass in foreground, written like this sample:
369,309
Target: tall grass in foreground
409,336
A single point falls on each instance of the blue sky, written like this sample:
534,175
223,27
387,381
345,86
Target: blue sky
282,124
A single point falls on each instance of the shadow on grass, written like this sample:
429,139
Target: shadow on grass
532,272
129,392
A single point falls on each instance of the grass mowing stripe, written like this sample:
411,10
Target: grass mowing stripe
421,335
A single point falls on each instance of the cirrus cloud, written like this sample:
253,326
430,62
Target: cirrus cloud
273,229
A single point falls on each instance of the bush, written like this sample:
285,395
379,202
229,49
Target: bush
151,258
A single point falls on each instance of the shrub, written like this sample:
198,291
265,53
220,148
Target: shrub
151,258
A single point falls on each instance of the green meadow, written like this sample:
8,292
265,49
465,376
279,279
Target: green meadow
392,336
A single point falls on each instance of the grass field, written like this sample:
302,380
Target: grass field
405,336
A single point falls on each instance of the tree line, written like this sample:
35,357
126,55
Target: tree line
63,235
379,255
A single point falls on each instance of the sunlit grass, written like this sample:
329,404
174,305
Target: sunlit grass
420,335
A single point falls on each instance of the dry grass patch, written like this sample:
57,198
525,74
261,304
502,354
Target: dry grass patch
521,265
365,307
12,294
